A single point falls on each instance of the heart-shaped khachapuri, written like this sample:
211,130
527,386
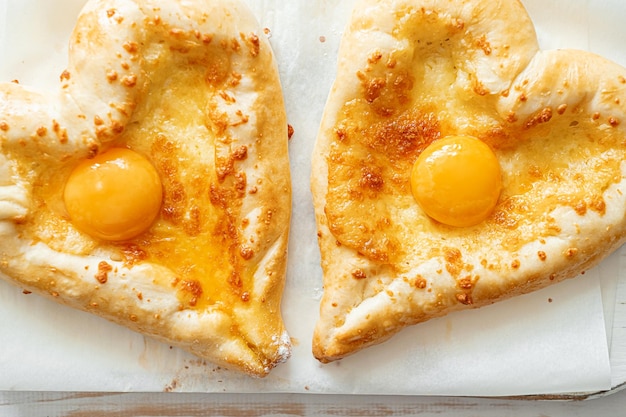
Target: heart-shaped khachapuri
154,188
457,165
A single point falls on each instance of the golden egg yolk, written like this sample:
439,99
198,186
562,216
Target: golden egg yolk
457,181
114,196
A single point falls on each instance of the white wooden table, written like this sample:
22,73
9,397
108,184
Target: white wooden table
47,404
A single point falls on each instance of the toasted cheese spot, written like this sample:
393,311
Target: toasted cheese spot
191,291
373,88
253,43
59,131
129,80
206,38
235,45
178,33
511,117
235,79
479,88
131,253
114,196
420,282
246,252
580,208
386,92
227,98
112,75
466,283
598,205
235,280
371,179
483,44
359,274
402,137
464,299
543,116
103,270
454,261
290,131
131,47
457,181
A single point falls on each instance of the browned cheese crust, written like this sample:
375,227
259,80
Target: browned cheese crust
194,87
410,72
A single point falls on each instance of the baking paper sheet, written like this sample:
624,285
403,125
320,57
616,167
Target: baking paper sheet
551,341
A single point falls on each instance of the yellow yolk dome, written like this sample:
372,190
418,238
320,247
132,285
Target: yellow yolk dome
457,181
114,196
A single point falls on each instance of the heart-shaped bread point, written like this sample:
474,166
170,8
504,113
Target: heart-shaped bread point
405,239
153,188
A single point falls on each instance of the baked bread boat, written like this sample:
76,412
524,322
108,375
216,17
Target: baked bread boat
153,188
408,231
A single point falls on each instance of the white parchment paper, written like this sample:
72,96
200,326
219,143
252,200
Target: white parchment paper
551,341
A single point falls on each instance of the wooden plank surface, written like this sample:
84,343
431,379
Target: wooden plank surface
46,404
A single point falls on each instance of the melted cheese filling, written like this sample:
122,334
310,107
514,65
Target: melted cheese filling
179,127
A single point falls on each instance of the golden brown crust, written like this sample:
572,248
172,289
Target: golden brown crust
410,72
194,87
